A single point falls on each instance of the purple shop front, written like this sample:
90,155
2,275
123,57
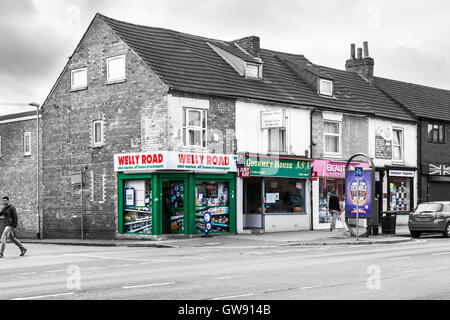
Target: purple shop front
365,194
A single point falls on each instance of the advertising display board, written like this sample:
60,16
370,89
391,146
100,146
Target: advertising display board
365,194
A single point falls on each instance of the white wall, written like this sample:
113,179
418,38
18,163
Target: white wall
410,148
251,138
410,142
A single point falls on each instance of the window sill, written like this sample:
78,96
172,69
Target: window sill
327,96
333,156
116,81
98,146
78,89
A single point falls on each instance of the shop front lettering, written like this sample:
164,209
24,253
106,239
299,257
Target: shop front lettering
199,160
335,168
128,160
144,159
259,164
148,159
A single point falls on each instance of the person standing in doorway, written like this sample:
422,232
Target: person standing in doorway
333,208
11,220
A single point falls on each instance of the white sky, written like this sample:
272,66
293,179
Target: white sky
409,39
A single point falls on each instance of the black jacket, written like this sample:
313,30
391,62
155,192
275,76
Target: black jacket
333,203
10,216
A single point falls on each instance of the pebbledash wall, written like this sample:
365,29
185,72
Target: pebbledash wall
140,114
18,171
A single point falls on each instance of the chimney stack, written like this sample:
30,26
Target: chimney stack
250,44
362,65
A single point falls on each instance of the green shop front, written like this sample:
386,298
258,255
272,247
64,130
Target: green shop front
163,193
276,192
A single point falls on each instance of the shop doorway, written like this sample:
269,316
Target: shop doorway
173,192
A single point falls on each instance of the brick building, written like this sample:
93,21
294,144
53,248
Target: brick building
18,164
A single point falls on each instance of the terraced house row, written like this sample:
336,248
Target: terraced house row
164,126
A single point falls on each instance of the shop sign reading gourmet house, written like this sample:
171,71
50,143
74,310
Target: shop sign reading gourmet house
168,160
282,167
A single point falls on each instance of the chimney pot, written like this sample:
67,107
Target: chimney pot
352,51
360,51
366,49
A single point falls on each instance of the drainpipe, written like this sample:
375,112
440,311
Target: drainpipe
419,163
311,226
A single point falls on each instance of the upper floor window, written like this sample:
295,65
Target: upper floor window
397,144
277,140
97,133
27,143
115,69
436,133
326,87
194,127
332,133
79,79
253,70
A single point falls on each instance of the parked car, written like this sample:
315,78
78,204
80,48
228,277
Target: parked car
430,217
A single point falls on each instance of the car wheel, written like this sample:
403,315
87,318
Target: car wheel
416,234
447,231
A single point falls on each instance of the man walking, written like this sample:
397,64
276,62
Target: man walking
10,214
334,208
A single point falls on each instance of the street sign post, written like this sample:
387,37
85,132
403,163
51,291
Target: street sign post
358,175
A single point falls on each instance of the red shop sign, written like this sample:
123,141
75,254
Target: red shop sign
244,172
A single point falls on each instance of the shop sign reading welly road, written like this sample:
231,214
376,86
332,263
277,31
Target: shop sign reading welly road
169,160
278,167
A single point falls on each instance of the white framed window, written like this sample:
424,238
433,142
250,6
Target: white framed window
97,133
326,87
78,79
27,143
253,70
397,145
115,69
195,128
332,138
277,140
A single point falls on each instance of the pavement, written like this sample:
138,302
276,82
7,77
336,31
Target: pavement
256,240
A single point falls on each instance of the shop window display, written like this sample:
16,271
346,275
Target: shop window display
400,191
326,187
284,195
213,197
137,216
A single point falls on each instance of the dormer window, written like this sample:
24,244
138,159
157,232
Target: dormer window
326,87
253,70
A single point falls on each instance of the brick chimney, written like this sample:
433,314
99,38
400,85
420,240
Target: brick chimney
363,64
250,44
